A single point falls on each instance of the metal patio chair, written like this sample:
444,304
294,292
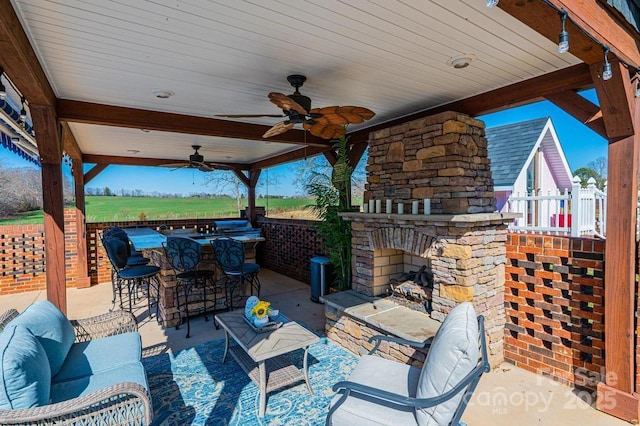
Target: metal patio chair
229,256
184,255
385,392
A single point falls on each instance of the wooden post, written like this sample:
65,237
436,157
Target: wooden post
251,196
50,149
72,149
83,280
621,117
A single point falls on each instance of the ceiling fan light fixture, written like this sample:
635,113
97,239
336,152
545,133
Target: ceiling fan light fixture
163,94
460,62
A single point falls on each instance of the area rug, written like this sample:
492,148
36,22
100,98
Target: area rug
194,387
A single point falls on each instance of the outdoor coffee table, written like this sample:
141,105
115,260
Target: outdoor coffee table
260,354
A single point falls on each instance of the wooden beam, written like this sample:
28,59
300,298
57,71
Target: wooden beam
581,109
50,149
19,60
108,115
615,96
331,157
594,17
355,153
534,89
69,143
287,157
243,178
144,161
94,171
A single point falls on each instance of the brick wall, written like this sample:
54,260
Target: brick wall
22,262
554,307
290,244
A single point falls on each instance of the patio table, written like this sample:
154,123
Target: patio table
261,354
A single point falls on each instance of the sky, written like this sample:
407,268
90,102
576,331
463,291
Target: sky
581,146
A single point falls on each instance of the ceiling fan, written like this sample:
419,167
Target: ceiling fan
327,123
196,161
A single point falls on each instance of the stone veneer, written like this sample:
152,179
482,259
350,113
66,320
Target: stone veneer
443,158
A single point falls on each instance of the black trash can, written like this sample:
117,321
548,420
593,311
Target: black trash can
320,273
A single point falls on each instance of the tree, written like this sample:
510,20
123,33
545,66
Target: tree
223,180
329,191
585,173
107,192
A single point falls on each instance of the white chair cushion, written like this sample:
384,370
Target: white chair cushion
385,375
453,354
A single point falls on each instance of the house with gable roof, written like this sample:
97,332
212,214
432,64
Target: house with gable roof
526,157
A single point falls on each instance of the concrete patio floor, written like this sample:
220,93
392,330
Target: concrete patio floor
507,395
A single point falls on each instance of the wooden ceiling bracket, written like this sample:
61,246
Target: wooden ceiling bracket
616,97
581,109
94,171
243,178
331,157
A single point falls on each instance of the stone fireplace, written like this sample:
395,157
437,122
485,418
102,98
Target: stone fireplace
442,158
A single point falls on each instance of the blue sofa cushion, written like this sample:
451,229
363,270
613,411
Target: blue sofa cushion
25,375
97,355
52,328
132,372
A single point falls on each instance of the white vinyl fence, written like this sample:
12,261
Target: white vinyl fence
579,212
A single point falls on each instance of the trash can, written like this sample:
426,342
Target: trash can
320,272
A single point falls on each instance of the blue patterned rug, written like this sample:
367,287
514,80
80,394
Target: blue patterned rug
198,389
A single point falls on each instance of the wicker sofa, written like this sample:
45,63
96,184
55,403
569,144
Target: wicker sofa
93,366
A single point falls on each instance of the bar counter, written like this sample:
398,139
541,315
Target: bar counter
149,241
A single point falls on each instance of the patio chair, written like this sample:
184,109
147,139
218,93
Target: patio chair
184,255
134,258
385,392
229,256
133,278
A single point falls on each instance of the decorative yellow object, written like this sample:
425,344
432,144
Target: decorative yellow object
261,309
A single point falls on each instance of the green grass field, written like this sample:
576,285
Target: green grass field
103,209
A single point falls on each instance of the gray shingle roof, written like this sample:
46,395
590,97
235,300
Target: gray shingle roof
509,147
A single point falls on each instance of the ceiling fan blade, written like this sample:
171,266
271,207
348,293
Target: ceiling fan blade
325,129
249,115
344,114
286,103
278,129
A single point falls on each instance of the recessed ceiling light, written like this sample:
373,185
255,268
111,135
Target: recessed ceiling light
133,151
163,94
460,62
145,130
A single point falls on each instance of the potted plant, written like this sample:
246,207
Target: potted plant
333,195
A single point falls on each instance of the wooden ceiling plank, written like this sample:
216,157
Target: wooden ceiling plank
19,60
109,115
94,171
581,109
534,89
592,16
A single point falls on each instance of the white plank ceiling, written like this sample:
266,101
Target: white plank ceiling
223,57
